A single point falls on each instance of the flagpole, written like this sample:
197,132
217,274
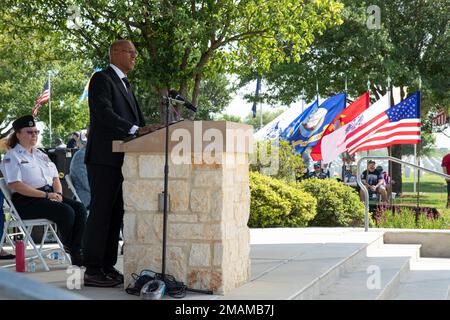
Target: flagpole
317,91
50,107
418,149
343,154
368,89
415,157
303,99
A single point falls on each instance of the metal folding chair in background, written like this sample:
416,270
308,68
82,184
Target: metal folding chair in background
25,227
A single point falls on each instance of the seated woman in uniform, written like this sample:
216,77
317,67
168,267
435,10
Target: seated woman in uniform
37,191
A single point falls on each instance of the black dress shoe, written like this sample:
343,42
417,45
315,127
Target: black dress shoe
100,280
113,273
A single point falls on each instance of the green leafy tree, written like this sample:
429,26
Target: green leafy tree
267,116
412,41
289,164
26,59
229,117
180,43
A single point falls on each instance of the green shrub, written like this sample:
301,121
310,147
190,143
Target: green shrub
406,219
290,163
338,205
274,203
425,222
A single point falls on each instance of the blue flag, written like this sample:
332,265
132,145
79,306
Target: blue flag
307,129
294,125
84,95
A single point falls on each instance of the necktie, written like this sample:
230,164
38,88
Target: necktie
127,84
130,94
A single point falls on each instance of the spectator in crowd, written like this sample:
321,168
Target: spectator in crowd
36,188
350,178
3,254
59,144
388,182
374,182
73,141
317,173
446,169
78,173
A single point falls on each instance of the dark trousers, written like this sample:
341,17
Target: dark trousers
101,239
69,216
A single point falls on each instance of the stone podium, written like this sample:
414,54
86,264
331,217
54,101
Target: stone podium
207,234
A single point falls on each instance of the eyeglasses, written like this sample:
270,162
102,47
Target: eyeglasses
132,52
31,132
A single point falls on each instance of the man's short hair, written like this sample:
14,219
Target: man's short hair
371,161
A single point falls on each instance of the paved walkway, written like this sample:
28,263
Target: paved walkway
305,263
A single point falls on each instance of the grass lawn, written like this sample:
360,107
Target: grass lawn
428,183
433,193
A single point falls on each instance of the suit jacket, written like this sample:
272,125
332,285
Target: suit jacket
112,114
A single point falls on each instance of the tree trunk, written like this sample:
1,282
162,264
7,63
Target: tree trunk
396,169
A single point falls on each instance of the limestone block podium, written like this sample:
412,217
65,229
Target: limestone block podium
207,234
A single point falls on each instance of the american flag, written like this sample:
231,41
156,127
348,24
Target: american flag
440,119
43,97
399,124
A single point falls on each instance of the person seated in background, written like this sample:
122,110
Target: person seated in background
78,173
350,179
388,182
59,144
36,188
317,173
374,182
72,143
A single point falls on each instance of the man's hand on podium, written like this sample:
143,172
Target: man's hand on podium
148,128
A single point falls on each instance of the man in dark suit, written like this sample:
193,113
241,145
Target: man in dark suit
114,115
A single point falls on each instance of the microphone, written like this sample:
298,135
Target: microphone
176,96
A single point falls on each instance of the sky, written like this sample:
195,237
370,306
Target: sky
240,107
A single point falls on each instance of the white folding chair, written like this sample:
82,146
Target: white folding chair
25,227
72,187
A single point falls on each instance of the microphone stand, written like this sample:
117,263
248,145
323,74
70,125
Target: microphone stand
165,195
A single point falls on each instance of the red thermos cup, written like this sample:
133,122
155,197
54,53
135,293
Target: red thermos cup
20,254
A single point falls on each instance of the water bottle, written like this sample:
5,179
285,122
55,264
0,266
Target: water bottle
57,256
20,254
31,266
54,255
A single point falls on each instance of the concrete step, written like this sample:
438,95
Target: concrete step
378,276
301,270
428,279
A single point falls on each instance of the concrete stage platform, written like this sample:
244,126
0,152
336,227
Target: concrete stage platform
305,263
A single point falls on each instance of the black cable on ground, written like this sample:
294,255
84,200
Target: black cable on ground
175,289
